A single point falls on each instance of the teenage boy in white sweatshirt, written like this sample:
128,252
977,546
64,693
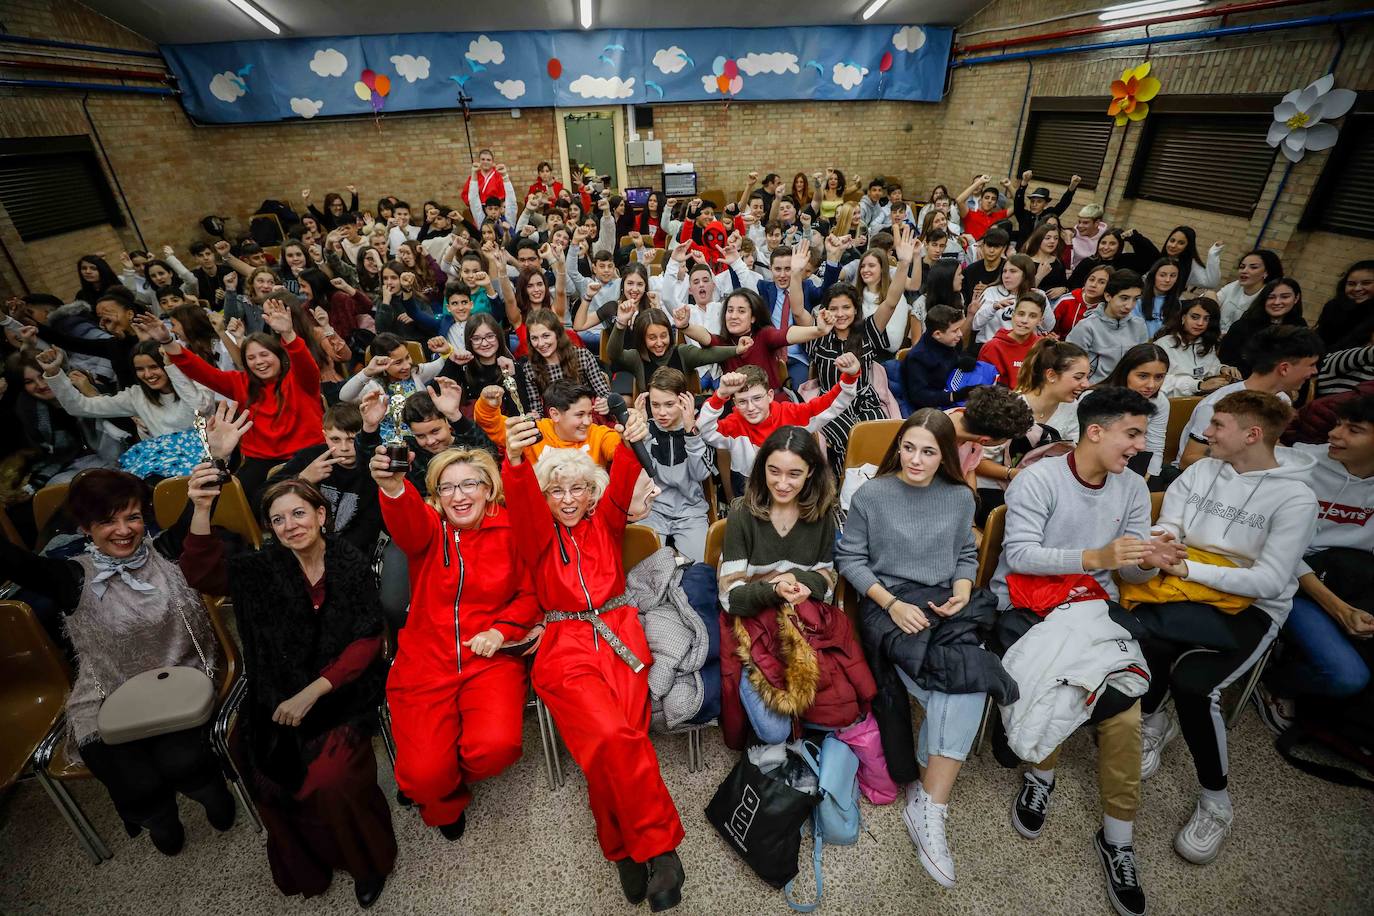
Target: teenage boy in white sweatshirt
1081,513
1322,626
1248,503
1282,359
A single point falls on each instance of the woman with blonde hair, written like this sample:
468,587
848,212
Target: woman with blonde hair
456,698
591,670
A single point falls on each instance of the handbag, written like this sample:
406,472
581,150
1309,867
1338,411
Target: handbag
760,816
865,741
158,701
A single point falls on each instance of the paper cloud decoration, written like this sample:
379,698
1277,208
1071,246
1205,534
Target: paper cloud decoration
670,60
770,62
909,38
847,76
227,87
595,87
412,68
484,50
511,89
306,108
329,63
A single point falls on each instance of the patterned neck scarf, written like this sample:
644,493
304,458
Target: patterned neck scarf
107,567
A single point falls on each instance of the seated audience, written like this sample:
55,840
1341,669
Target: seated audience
928,366
570,423
1008,348
1190,340
1255,269
333,468
1111,329
1278,303
1349,307
681,463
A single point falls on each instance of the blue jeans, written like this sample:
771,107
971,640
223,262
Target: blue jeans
951,721
592,338
1324,662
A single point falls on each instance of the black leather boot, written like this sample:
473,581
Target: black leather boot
455,830
634,879
367,890
665,882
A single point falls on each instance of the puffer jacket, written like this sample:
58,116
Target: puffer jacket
807,664
1063,665
677,637
947,657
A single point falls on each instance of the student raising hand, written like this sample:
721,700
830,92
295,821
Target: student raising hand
278,318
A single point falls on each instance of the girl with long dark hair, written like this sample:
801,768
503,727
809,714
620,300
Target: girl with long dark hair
1191,340
1255,268
1279,302
1159,300
908,550
1181,245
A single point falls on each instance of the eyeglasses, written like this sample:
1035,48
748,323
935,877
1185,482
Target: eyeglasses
576,491
468,487
483,338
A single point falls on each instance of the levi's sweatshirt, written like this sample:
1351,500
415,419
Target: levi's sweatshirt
1345,504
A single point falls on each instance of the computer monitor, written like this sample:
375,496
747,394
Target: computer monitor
637,197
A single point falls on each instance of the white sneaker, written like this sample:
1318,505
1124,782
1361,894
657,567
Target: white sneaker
1201,838
1152,742
925,822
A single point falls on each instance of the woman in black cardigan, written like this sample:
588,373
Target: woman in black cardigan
311,625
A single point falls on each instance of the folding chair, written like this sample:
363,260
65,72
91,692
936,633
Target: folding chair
869,441
989,552
46,503
232,511
1180,412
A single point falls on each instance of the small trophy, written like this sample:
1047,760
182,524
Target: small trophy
220,464
396,450
508,379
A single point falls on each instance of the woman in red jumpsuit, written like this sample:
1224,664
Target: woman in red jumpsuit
592,667
456,702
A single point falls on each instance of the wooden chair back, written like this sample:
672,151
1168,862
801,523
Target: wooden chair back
715,542
640,541
1180,412
990,548
232,511
869,441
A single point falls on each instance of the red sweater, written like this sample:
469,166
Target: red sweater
1069,312
1006,354
279,430
976,222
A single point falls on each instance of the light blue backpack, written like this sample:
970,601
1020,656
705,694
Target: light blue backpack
836,819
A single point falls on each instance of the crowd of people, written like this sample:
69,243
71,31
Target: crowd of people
483,397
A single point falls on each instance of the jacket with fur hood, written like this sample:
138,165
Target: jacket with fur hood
1106,338
1263,521
1345,505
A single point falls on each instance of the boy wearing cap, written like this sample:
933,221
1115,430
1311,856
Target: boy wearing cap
1030,210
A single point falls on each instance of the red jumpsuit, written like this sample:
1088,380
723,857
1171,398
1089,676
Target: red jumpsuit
600,705
456,717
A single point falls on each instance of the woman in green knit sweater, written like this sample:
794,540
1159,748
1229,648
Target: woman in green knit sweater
780,536
650,334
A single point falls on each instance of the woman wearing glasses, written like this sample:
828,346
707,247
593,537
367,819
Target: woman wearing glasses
456,701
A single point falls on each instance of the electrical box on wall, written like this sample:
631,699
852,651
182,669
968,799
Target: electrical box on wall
644,152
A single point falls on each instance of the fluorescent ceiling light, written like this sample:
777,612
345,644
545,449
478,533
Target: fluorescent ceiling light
871,10
1145,8
258,16
584,13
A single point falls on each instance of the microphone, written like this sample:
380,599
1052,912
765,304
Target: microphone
620,412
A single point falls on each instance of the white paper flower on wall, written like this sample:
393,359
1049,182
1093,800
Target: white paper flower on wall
1298,118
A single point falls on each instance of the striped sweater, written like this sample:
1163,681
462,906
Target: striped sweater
755,553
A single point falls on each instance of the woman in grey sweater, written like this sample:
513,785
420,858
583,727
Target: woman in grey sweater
908,549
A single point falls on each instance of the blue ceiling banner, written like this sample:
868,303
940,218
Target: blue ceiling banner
301,78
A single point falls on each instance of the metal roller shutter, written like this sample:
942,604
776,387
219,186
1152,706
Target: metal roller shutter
1215,162
53,185
1341,203
1061,144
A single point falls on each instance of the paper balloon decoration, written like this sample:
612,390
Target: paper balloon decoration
372,87
728,79
886,63
555,68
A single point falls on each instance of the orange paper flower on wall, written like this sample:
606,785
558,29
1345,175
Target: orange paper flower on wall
1132,93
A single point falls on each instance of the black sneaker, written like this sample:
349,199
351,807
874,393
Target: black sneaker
1123,880
665,882
1029,807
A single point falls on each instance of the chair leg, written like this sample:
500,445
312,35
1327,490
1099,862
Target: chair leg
981,737
549,734
219,741
384,720
71,812
1251,680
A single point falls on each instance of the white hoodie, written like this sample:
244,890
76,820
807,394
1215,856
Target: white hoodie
1187,369
1345,505
1260,520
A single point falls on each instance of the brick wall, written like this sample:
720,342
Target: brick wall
173,172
